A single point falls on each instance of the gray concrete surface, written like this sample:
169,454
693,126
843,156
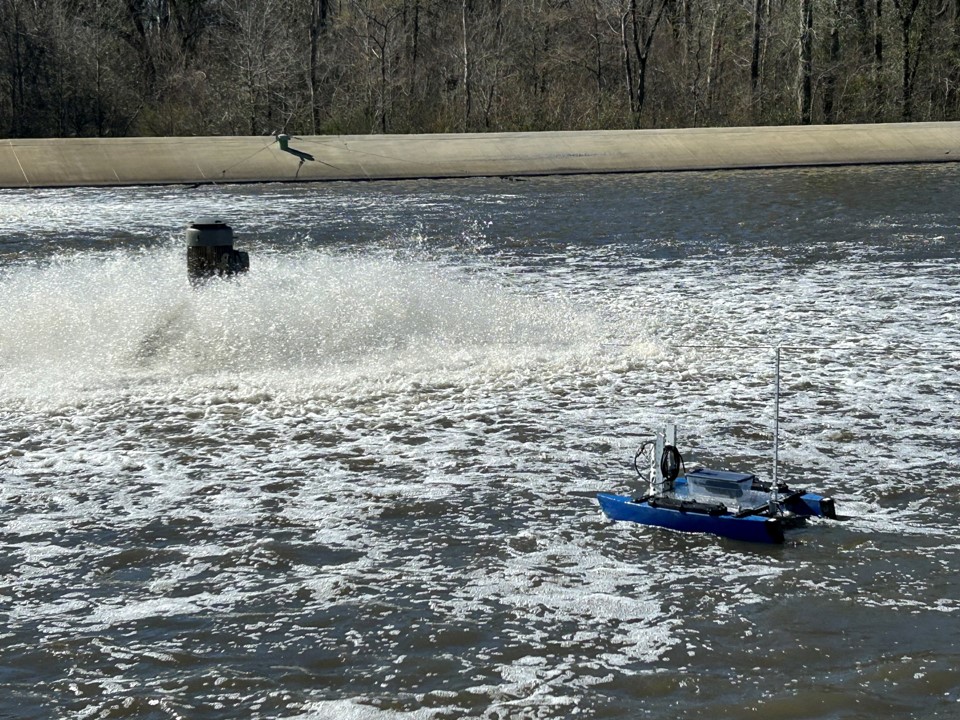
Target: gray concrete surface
148,161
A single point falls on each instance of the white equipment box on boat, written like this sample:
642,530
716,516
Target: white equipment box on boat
719,483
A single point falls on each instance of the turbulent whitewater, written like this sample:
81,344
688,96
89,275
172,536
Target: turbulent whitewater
360,481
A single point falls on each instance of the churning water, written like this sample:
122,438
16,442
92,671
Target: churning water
359,482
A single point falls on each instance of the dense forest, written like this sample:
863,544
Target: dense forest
90,68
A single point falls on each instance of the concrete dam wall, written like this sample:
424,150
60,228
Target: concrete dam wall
313,158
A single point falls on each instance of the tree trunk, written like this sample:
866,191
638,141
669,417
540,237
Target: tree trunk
806,62
906,102
141,43
907,12
318,23
878,94
597,62
953,81
627,64
643,27
16,62
830,79
755,59
467,80
493,91
713,58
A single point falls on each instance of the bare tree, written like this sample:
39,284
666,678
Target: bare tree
756,48
805,80
23,51
878,61
319,12
260,59
907,13
832,68
465,57
639,20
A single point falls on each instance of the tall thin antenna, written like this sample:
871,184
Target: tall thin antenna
774,500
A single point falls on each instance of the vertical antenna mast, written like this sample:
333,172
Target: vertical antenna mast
776,430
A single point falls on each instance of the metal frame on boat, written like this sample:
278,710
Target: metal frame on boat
729,504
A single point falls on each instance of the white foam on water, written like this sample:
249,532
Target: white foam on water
356,710
386,454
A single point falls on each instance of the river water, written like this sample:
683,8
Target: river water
359,482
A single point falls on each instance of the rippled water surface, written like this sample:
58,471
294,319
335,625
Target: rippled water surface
359,482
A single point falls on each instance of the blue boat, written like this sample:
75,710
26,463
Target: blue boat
734,505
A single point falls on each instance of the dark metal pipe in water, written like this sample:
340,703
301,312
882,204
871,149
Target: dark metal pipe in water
210,251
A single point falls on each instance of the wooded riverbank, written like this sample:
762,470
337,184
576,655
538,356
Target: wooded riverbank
140,68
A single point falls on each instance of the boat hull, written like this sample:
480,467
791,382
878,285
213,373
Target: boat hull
750,528
807,504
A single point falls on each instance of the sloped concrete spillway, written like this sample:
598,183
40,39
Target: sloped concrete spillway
178,160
